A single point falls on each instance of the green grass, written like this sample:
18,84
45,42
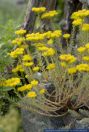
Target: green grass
9,9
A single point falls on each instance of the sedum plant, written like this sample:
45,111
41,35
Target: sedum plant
65,68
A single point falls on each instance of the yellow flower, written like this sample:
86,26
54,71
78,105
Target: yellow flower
77,22
49,52
20,32
35,69
12,82
85,27
27,58
27,64
83,67
81,49
72,70
56,34
39,44
43,48
18,68
25,87
16,52
42,91
49,14
86,58
67,58
18,41
66,36
34,83
38,9
80,14
51,66
87,46
47,34
50,41
31,94
35,37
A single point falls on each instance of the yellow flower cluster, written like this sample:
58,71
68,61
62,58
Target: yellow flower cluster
72,70
81,49
16,52
41,36
56,34
67,58
77,22
80,14
35,69
38,9
27,60
34,83
84,48
42,91
27,57
18,68
79,68
42,48
28,64
83,67
31,94
66,36
85,27
49,14
85,58
50,41
20,32
35,37
87,46
18,41
49,52
25,87
51,66
12,82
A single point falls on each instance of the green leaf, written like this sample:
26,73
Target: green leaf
5,89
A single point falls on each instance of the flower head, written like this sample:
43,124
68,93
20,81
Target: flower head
81,49
16,52
42,91
34,83
66,36
77,22
38,9
12,82
83,67
85,27
27,57
67,58
72,70
18,68
49,14
20,32
25,87
35,69
51,66
31,94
